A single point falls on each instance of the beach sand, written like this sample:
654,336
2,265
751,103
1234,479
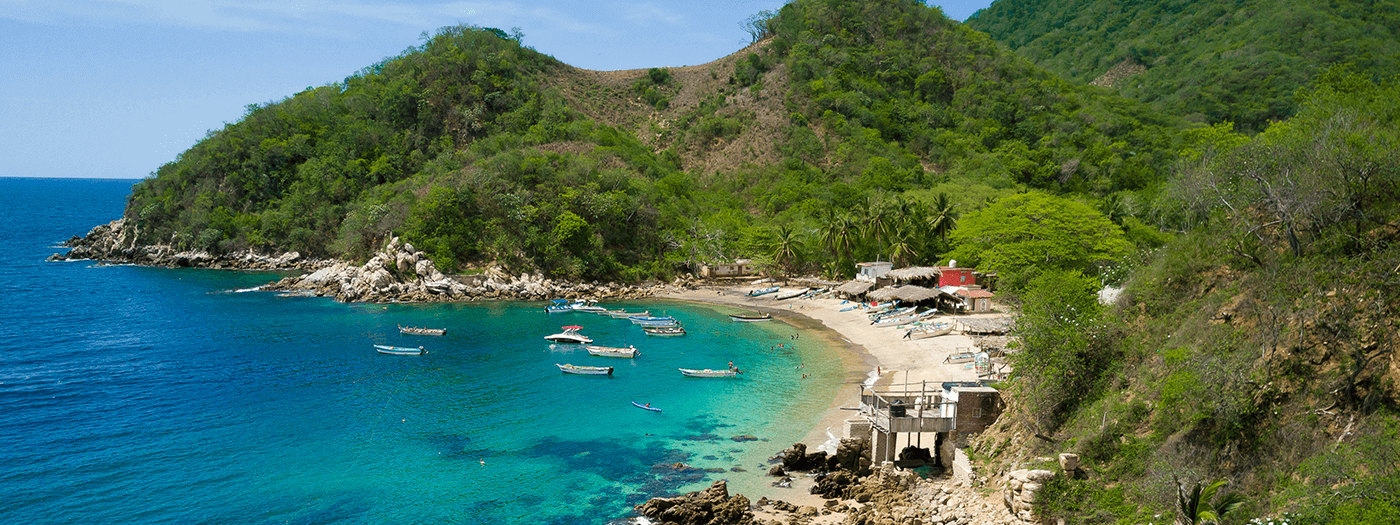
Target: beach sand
870,350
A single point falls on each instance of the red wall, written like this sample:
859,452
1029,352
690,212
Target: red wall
955,277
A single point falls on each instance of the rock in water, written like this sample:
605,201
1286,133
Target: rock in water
712,506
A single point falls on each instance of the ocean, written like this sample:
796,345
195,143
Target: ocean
148,395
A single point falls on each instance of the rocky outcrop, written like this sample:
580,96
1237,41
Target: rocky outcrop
117,242
712,506
397,273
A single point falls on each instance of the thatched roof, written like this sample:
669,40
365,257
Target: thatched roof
910,294
855,287
914,273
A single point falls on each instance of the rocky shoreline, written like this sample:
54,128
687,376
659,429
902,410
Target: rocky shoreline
396,273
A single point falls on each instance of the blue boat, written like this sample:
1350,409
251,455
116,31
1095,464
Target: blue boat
763,291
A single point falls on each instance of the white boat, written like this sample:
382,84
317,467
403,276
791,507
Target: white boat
559,306
590,307
790,295
763,291
612,351
664,331
690,372
963,357
624,314
570,335
654,321
927,331
585,370
399,350
892,313
896,321
413,330
750,318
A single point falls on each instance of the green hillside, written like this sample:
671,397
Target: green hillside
484,152
1208,60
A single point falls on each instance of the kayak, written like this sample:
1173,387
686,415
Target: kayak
644,407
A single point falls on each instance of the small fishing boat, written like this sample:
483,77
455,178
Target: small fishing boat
624,314
927,331
750,318
585,370
612,351
570,335
960,357
559,306
413,330
691,372
645,407
658,331
655,321
876,316
763,291
399,350
790,295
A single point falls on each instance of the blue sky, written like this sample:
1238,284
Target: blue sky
115,88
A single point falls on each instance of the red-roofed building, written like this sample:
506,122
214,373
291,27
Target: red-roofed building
976,300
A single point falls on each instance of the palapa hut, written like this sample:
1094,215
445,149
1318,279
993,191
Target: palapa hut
918,275
911,294
854,289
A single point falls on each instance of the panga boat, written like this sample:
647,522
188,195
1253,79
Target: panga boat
763,291
926,331
660,331
612,351
790,295
413,330
623,314
570,335
961,357
892,313
690,372
750,318
585,370
654,321
399,350
645,407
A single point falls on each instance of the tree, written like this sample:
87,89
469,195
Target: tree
1037,230
1059,364
785,247
840,235
943,218
1189,503
760,25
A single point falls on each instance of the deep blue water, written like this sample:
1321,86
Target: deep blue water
146,395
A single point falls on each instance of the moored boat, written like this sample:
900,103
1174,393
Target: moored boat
659,331
645,407
559,306
399,350
705,372
624,314
413,330
750,318
585,370
570,335
612,351
654,321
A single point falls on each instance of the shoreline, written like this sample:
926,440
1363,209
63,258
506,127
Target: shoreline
874,356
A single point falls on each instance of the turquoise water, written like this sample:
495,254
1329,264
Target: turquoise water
144,395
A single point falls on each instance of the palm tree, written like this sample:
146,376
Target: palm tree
943,218
902,246
840,235
1189,503
785,246
878,221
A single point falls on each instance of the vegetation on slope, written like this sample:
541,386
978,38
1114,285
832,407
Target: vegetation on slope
875,124
1258,348
1210,60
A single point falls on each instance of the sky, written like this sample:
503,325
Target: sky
116,88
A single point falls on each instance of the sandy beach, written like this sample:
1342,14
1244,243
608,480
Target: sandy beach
873,355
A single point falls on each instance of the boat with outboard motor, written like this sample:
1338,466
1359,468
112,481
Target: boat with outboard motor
585,370
570,335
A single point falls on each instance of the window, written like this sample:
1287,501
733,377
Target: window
977,412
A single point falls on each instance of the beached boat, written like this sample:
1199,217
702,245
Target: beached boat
659,331
612,351
399,350
585,370
413,330
750,318
790,295
884,322
960,357
570,335
876,316
691,372
927,331
624,314
763,291
645,407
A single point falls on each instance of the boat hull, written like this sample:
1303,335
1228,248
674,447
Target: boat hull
750,318
398,350
612,351
664,332
585,370
644,407
689,372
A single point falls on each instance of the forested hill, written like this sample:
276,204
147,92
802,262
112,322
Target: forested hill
863,121
1209,60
